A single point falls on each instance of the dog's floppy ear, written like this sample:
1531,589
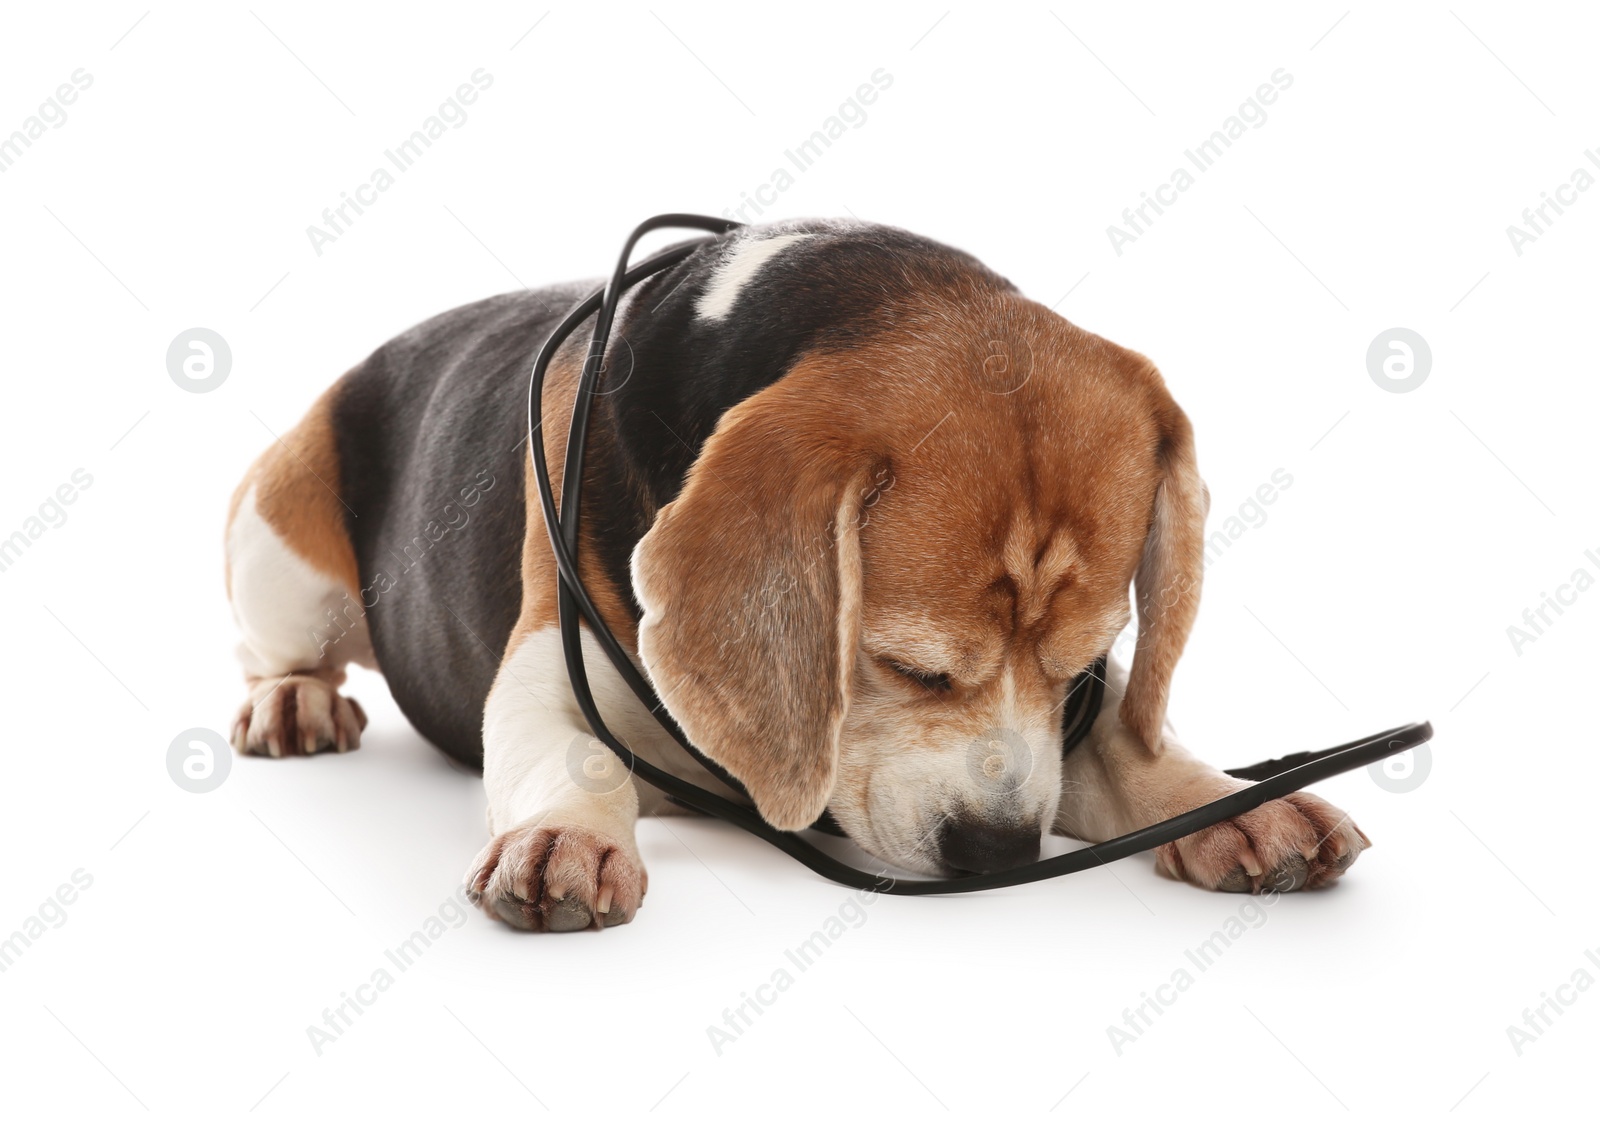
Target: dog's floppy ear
1167,583
750,581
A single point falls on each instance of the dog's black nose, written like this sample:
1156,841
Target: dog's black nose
969,846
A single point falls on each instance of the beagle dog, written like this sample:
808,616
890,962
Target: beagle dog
859,510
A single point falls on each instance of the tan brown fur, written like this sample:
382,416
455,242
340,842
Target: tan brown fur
540,579
297,494
1023,496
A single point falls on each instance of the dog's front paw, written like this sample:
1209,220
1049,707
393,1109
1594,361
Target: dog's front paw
297,716
1298,841
557,878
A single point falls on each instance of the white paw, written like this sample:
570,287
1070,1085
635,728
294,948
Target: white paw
297,716
557,878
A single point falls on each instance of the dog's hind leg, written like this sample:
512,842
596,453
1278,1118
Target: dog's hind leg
295,589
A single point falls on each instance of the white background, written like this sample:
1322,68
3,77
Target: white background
1418,528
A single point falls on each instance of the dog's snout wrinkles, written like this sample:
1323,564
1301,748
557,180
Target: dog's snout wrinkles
971,846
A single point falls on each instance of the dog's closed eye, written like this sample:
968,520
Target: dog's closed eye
934,680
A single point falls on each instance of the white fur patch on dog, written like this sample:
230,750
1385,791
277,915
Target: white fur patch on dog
736,270
284,607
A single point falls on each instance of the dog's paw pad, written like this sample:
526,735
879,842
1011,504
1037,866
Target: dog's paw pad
1290,876
568,914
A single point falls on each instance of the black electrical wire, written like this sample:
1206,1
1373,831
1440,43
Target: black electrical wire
1274,778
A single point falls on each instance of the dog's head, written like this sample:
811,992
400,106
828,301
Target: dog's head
885,569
